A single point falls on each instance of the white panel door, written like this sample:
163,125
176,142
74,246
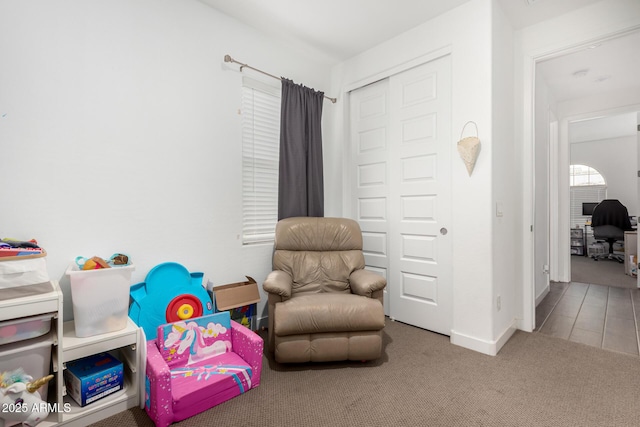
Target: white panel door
400,158
420,251
369,160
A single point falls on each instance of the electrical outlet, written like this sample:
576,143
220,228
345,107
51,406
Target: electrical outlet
498,303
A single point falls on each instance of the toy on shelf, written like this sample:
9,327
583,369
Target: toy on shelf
20,399
96,263
169,294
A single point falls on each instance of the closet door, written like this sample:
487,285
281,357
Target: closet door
401,195
420,188
370,169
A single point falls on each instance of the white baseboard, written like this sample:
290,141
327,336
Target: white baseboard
490,348
543,294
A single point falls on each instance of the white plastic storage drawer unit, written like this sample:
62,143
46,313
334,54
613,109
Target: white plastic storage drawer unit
24,328
33,356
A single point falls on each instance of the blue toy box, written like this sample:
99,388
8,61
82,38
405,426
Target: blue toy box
94,377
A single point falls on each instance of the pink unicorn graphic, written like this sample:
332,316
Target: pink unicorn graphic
201,341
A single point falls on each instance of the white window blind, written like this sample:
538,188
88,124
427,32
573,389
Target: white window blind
584,194
260,111
587,186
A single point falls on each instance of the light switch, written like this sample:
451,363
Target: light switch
499,209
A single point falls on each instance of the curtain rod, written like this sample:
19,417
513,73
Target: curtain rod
228,58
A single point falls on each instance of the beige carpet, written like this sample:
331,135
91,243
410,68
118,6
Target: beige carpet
602,272
423,380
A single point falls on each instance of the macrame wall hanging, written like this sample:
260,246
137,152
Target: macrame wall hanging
469,148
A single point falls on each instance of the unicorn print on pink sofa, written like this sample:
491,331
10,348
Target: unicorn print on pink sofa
196,364
201,341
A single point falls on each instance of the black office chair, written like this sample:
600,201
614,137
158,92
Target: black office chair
609,221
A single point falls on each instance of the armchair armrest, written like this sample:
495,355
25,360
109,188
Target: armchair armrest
158,399
364,282
248,345
278,282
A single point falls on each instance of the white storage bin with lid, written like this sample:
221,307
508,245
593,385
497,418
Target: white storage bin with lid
100,299
24,328
33,356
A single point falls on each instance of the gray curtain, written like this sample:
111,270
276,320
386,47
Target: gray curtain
301,187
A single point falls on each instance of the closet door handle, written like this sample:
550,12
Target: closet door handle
444,231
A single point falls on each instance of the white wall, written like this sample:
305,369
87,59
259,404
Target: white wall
616,160
119,132
466,33
505,183
588,24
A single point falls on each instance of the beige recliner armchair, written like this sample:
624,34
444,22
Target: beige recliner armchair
323,305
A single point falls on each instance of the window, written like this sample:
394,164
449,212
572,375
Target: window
587,186
585,175
260,111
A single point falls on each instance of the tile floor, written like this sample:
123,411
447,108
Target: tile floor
601,316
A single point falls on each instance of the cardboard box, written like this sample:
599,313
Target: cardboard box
94,377
240,300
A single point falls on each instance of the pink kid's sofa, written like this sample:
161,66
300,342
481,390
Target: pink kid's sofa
196,364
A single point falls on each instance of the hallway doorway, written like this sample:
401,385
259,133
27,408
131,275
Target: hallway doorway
553,104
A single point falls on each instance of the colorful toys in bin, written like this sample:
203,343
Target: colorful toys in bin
20,399
169,294
96,263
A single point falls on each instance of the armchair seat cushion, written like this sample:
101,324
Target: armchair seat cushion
209,382
327,312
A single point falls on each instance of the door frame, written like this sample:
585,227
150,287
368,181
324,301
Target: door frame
526,322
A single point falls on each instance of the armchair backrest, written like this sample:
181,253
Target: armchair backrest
188,341
319,253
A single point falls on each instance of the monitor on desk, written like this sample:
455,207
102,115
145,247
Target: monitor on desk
587,208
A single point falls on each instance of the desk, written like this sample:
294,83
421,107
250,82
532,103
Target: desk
630,248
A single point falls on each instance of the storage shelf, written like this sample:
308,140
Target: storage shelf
118,396
46,302
124,342
578,244
74,347
67,347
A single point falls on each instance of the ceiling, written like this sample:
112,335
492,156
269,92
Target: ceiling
600,128
335,30
604,67
339,29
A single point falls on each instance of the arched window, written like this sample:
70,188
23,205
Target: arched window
587,186
585,175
